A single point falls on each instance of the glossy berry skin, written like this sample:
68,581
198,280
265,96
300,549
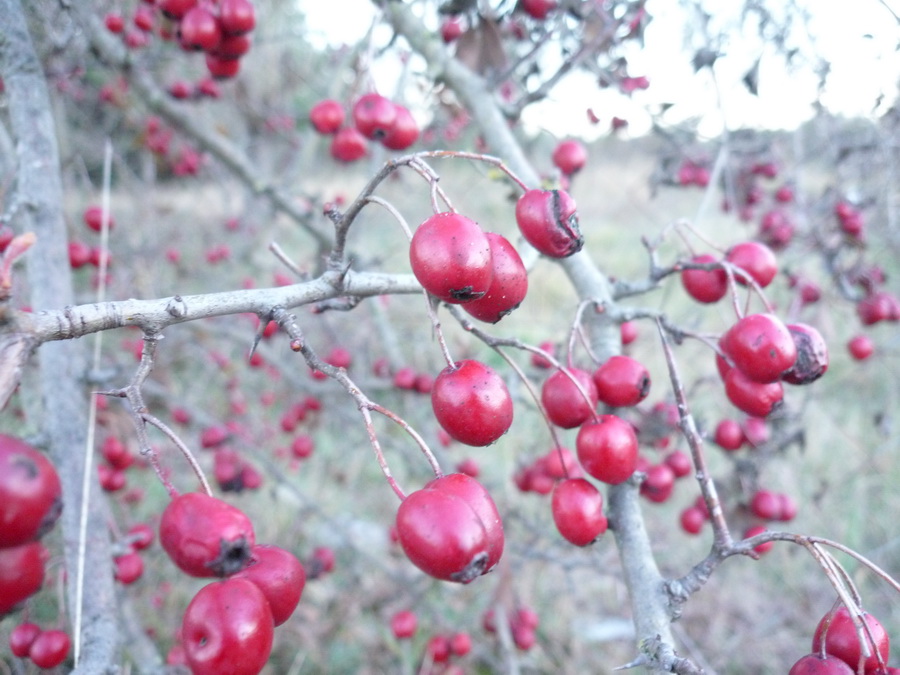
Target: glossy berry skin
21,638
206,537
756,259
374,115
577,508
348,145
838,633
706,286
549,222
21,574
450,256
569,156
279,575
227,629
327,116
403,132
861,347
30,492
658,485
442,535
622,381
760,346
692,520
236,17
473,493
754,398
509,284
50,648
471,403
814,664
812,355
564,404
608,449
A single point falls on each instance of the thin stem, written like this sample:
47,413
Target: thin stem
722,540
188,455
372,199
573,330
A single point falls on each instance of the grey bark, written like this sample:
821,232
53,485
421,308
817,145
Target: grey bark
60,366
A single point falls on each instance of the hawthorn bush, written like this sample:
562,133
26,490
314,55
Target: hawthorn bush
337,377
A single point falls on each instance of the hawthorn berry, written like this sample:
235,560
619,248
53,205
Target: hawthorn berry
621,381
279,575
812,355
569,156
817,664
692,519
509,284
21,638
204,536
754,398
729,435
443,535
659,483
327,116
403,132
228,628
199,30
221,67
93,218
756,260
861,347
236,17
50,648
175,9
577,508
836,635
21,573
607,449
30,492
549,222
404,624
760,346
450,256
471,402
374,116
706,286
129,567
565,405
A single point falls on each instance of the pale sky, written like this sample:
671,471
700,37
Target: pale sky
859,39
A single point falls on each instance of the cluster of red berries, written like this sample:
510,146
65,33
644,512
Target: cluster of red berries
523,624
838,650
81,253
375,118
219,28
229,624
30,504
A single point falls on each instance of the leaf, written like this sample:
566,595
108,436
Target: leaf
481,48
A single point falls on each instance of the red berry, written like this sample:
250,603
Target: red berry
660,482
442,535
451,257
236,17
114,22
143,18
608,449
754,398
578,511
755,530
706,286
205,536
549,222
374,115
838,633
403,132
21,638
628,332
93,218
438,649
451,29
765,505
140,536
621,381
327,116
199,30
128,568
812,355
222,68
729,435
756,260
404,624
815,664
175,9
760,346
279,575
565,405
508,286
569,156
692,519
21,574
471,402
30,493
679,462
460,644
756,431
228,628
232,47
861,347
50,648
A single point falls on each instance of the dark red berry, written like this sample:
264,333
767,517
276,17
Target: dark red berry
509,284
567,406
30,492
608,449
549,222
622,381
812,355
706,286
578,511
471,402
